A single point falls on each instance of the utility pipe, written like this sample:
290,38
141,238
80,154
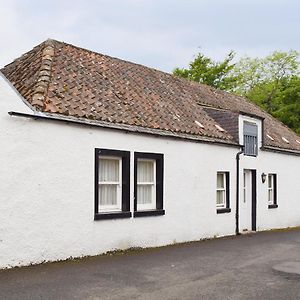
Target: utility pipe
237,231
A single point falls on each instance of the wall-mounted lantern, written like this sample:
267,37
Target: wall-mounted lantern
263,177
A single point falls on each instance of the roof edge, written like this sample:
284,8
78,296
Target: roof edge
27,103
123,127
44,74
280,150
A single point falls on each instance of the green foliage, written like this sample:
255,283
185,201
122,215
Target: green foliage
261,80
288,110
272,82
204,70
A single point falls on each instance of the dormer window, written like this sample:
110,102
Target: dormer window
250,138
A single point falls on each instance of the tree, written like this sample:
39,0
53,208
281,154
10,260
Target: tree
289,110
272,82
264,80
204,70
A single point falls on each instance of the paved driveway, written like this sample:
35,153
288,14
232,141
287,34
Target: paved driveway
227,268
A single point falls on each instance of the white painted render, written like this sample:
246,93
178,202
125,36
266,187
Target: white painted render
47,189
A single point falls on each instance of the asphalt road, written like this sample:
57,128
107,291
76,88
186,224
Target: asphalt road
227,268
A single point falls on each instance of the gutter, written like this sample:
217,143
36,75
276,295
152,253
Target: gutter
237,231
279,150
122,127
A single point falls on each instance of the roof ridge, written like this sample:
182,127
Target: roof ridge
195,83
180,79
113,57
147,97
44,74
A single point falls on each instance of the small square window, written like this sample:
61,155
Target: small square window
272,191
222,192
148,184
112,178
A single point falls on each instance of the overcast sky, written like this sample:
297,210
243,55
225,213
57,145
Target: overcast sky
157,33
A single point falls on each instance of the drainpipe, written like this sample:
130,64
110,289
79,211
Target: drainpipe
238,190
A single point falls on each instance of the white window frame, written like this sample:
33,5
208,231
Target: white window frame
224,203
255,120
118,206
152,205
244,186
271,200
250,139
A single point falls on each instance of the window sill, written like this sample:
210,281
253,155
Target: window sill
112,215
251,155
223,210
148,213
272,205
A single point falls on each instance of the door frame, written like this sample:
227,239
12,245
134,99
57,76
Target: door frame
252,188
254,199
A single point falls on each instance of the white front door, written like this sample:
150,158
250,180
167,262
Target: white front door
246,202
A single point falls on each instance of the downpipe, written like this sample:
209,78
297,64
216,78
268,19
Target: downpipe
237,206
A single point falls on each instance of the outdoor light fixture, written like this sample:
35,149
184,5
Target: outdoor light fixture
263,177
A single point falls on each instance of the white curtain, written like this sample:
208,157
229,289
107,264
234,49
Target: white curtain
145,171
144,194
109,170
108,194
270,196
220,180
109,180
220,189
270,189
220,198
145,181
270,183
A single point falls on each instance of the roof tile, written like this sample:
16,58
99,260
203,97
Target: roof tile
59,78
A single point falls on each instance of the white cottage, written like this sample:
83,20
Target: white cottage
99,154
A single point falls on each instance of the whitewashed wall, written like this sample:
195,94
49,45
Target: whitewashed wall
47,190
287,168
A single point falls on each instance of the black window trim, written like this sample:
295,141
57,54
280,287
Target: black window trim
227,209
159,158
125,213
274,205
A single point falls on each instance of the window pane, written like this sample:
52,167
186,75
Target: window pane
250,138
220,181
270,196
250,143
145,171
270,181
220,197
108,194
250,128
144,194
109,169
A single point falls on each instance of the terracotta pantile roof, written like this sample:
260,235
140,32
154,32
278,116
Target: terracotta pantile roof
62,79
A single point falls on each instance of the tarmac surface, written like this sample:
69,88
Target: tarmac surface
242,267
289,267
